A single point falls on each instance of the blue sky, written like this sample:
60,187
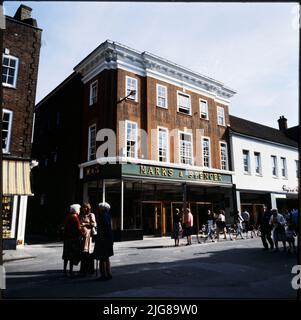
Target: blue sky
252,48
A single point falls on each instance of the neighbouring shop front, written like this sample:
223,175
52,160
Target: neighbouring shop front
255,201
16,189
143,198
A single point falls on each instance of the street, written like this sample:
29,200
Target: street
153,268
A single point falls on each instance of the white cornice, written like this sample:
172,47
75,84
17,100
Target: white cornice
112,55
186,86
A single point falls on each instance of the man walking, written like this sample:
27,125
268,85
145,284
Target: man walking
266,229
188,226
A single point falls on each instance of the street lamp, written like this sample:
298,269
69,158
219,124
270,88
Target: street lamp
132,92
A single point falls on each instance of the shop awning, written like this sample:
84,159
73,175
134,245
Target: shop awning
16,177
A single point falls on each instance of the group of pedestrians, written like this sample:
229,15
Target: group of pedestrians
81,225
275,227
271,226
216,224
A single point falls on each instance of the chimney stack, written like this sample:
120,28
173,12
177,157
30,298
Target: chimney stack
282,122
23,13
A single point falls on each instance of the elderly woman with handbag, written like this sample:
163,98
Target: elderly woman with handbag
88,227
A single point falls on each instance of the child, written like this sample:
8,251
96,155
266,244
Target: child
290,237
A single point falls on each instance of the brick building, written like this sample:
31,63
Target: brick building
20,60
57,132
166,133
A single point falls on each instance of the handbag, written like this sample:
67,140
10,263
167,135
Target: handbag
94,231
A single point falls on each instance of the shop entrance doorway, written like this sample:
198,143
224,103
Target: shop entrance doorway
152,218
157,216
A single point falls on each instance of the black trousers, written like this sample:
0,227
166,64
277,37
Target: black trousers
266,236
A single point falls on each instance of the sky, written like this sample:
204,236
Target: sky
252,48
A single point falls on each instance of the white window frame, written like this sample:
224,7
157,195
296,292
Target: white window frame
207,112
220,152
209,143
167,143
136,138
179,146
259,162
283,167
249,162
219,108
276,166
14,85
297,169
7,147
89,142
178,105
135,98
166,96
93,99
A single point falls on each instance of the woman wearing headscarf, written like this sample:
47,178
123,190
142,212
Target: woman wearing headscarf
72,236
103,249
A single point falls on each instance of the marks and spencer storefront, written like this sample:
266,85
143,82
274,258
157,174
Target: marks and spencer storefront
144,197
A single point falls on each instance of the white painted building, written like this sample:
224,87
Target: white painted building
266,165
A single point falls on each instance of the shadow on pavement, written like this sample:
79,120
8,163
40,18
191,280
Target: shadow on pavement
231,273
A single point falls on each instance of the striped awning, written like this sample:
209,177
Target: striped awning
16,177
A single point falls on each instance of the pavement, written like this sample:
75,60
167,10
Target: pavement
28,251
153,267
19,254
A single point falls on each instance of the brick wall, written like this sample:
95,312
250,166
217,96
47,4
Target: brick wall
149,116
103,112
23,42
